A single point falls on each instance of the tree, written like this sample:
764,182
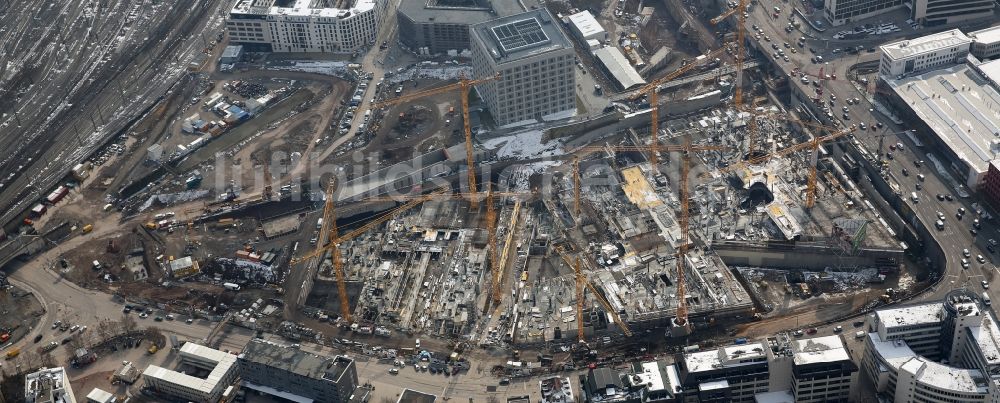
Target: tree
128,323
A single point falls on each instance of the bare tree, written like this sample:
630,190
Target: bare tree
128,323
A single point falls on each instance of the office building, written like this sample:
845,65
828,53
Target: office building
605,385
732,373
839,12
655,381
951,110
304,25
536,64
925,12
940,12
48,385
432,27
219,369
556,389
821,370
280,370
968,365
910,56
98,395
586,27
985,43
991,184
415,396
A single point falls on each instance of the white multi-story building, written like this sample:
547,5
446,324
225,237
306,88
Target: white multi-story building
840,12
926,12
986,43
535,61
942,12
969,370
48,385
729,374
821,370
924,53
221,367
304,25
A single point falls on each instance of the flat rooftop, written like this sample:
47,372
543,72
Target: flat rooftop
986,334
988,35
461,12
911,315
221,363
819,350
908,48
944,377
586,23
961,108
413,396
294,360
301,8
521,35
729,356
619,66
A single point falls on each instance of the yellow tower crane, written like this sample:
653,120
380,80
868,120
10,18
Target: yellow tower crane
685,150
581,283
496,259
463,85
335,239
652,90
741,9
812,145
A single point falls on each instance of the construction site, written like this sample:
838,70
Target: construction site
690,204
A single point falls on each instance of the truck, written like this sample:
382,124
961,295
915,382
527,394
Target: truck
914,197
319,223
231,286
48,347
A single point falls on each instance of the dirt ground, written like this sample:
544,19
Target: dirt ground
425,125
19,312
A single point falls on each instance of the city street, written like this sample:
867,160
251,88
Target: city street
956,236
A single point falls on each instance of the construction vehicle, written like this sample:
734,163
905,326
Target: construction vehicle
13,353
463,85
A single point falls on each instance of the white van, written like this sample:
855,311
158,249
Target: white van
986,298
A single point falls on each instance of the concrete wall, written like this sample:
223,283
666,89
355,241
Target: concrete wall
802,257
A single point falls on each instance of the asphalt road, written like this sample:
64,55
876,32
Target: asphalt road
956,236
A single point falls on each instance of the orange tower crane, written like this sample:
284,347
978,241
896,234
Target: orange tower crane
740,55
335,239
491,225
652,90
813,161
583,283
576,186
685,150
464,85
